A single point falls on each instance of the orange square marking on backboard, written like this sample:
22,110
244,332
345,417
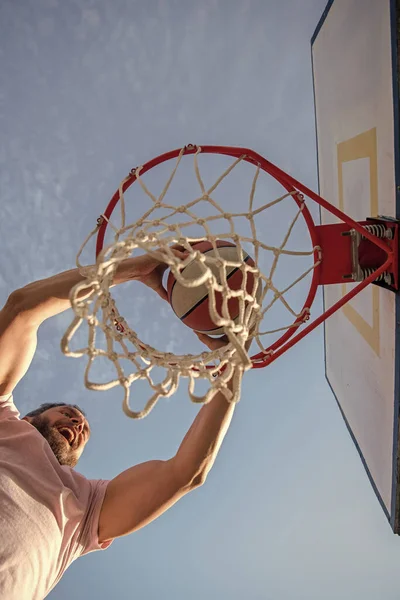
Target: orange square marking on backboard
363,145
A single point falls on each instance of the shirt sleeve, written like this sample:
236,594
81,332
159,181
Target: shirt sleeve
89,540
8,410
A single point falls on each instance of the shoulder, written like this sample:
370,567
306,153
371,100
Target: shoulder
91,493
87,491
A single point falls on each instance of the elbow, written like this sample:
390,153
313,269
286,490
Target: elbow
189,476
199,479
15,302
20,302
188,481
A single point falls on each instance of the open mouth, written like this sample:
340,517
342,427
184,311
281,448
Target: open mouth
68,434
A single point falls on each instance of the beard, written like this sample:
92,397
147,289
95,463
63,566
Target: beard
61,450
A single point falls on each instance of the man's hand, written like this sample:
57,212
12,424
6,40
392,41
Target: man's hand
148,270
220,342
212,343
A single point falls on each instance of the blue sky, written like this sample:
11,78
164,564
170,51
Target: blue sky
91,89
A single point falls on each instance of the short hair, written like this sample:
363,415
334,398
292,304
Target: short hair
43,407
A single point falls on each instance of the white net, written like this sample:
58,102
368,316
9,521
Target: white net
161,226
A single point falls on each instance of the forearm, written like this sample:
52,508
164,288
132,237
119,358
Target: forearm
48,297
200,446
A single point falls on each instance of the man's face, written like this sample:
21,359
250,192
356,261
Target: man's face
66,430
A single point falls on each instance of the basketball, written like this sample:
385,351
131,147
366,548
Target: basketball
191,305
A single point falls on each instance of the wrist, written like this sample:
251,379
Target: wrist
126,270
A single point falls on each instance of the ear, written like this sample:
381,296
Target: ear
29,419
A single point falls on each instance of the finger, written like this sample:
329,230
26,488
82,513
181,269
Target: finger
201,336
180,254
204,338
180,247
248,344
212,343
251,337
177,247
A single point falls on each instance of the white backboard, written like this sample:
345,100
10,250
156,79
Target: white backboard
354,54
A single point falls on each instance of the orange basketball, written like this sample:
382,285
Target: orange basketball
191,305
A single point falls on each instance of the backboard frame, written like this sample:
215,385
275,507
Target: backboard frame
393,515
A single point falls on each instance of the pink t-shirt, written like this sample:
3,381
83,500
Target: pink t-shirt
49,514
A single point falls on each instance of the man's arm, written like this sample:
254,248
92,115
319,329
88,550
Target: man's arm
29,306
18,338
46,298
144,492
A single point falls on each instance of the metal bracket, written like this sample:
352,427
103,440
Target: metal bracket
356,273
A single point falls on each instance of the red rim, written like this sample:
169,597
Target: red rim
288,339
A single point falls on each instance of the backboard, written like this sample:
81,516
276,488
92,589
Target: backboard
355,72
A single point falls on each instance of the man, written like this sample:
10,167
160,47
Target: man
49,514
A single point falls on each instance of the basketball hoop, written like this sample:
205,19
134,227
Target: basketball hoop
341,252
